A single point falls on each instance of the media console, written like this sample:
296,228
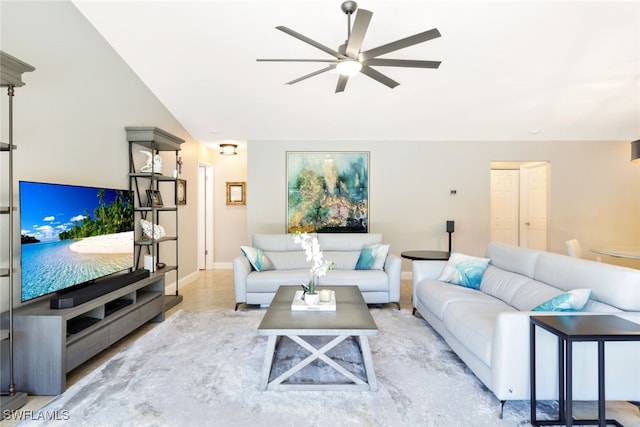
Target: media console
48,342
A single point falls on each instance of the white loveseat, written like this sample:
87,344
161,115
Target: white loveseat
489,328
292,268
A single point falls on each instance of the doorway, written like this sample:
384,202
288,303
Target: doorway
205,217
519,203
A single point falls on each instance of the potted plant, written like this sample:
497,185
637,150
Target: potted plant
319,267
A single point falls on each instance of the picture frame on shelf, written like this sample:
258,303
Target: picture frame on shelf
181,192
154,198
236,193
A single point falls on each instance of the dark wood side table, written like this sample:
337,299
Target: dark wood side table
426,255
570,329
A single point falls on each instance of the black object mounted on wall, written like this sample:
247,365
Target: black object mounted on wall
450,229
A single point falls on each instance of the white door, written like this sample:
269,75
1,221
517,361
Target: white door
205,217
505,195
534,189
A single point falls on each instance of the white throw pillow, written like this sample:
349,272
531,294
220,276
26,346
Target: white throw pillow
258,259
573,300
372,257
464,270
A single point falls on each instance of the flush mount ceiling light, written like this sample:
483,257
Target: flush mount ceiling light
228,149
351,55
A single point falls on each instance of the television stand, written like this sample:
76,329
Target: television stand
79,324
51,342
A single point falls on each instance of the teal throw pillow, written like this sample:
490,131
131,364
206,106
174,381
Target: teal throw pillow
372,257
257,258
574,300
464,270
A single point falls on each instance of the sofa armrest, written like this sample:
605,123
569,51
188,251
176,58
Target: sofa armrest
426,270
393,267
241,269
510,362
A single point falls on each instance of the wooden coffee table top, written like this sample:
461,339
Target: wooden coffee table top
352,316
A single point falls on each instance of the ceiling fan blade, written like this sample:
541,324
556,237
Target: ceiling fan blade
376,75
400,44
315,73
360,25
297,60
342,83
382,62
311,42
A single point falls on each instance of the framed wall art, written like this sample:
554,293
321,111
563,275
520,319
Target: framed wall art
236,193
328,192
181,192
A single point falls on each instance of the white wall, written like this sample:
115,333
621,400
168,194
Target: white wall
70,116
230,222
594,190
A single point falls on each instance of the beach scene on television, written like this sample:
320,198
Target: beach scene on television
71,235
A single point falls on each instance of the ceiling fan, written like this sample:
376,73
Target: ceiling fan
349,60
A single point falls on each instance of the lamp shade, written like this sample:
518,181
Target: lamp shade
635,151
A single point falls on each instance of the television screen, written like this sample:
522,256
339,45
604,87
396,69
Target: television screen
72,235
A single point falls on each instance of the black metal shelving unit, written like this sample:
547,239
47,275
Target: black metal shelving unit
11,70
155,140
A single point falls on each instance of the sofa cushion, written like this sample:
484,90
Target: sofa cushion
289,260
437,295
277,242
502,284
366,280
473,324
464,270
512,258
257,258
567,273
573,300
342,260
270,281
533,293
347,241
372,257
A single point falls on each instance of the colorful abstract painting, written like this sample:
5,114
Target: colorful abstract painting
328,192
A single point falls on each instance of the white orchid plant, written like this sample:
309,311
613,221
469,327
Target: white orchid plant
319,266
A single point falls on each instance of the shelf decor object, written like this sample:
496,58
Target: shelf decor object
146,182
11,70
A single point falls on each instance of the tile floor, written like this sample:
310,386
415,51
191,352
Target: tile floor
212,289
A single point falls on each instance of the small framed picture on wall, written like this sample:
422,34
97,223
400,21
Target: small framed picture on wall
236,193
181,192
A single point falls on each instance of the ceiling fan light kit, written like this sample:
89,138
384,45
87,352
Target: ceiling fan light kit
349,67
350,60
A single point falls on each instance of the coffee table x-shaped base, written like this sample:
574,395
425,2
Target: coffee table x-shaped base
319,353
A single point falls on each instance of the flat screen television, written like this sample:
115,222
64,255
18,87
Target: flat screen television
72,236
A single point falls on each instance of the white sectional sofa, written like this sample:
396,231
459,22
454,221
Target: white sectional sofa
489,328
292,268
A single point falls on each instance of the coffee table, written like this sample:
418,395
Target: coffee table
351,319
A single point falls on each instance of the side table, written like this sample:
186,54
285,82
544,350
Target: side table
570,329
426,255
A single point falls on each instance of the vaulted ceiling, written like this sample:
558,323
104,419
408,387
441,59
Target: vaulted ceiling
511,70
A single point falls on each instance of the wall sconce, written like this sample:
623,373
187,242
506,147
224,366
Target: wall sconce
228,149
635,151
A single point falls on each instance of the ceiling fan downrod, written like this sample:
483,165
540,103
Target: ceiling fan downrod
349,7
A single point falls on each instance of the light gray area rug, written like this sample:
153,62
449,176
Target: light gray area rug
203,368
